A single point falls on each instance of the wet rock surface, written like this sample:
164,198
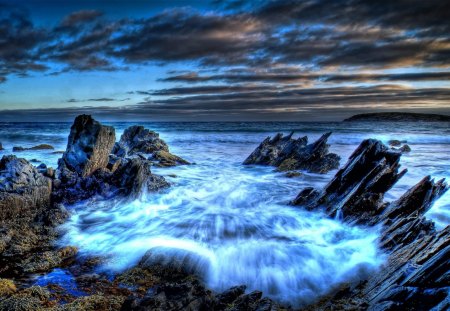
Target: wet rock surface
415,276
88,169
139,141
27,215
289,154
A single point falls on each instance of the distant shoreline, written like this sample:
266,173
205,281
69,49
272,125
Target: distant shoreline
398,116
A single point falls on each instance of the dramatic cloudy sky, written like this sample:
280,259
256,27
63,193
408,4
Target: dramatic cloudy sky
222,60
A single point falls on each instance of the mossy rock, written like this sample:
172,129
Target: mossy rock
32,298
7,287
166,159
288,165
93,303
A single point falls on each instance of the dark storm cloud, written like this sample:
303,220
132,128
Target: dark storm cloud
316,33
80,17
18,42
102,99
290,77
207,89
276,56
183,34
424,16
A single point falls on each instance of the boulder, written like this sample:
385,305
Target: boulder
24,191
139,141
89,146
288,154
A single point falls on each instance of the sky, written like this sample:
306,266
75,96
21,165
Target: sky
217,60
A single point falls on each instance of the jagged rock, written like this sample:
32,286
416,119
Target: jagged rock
89,146
190,294
134,176
38,147
416,274
88,170
137,140
289,154
357,189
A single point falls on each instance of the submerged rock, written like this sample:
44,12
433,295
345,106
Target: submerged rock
415,275
289,154
38,147
137,140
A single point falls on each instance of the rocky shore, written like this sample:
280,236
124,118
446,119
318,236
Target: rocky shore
34,201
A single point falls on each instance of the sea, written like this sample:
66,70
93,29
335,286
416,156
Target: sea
232,224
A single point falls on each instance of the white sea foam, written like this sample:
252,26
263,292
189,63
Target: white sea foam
232,227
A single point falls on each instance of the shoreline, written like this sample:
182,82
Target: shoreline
206,297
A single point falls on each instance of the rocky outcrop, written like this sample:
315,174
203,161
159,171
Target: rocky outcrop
38,147
289,154
27,215
139,141
88,169
23,190
178,290
415,275
89,146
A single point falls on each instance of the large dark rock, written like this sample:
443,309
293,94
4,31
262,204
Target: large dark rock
137,140
415,275
89,170
357,189
289,154
89,146
27,215
23,190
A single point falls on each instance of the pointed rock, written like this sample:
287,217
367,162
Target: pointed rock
289,154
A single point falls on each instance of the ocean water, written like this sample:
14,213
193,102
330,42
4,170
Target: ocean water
232,224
